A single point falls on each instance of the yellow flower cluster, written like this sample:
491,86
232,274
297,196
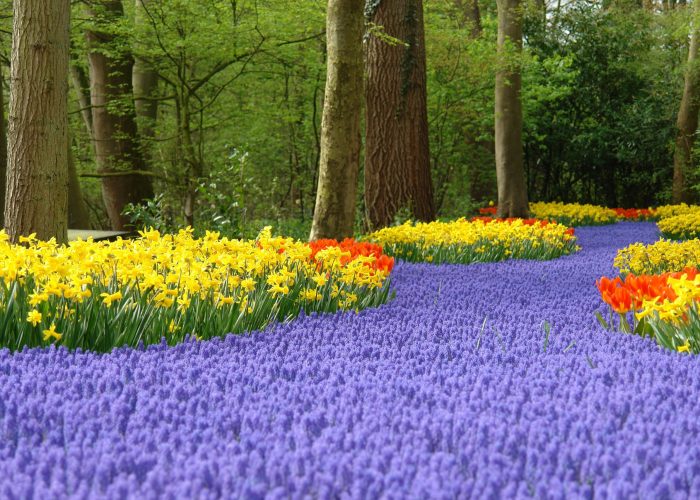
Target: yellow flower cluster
573,214
129,289
682,226
464,241
687,293
666,211
660,257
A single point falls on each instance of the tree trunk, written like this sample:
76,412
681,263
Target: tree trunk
3,150
37,181
687,122
81,84
541,6
480,186
334,215
510,173
117,150
471,16
397,160
145,82
78,216
194,167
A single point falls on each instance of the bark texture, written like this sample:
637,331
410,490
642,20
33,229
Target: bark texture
687,122
510,172
37,180
397,159
81,85
117,150
334,215
145,83
3,151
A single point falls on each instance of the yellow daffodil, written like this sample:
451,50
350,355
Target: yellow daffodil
52,333
276,290
34,317
108,298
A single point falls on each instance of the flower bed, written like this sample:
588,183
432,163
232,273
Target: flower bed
657,293
659,257
454,390
479,240
568,214
681,227
663,306
573,214
635,214
101,295
665,211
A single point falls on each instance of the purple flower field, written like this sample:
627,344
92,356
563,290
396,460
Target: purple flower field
452,390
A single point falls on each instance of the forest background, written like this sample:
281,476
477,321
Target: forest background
229,96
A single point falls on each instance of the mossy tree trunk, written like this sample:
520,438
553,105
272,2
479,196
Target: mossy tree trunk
334,214
687,122
37,182
510,172
397,159
119,158
145,83
3,150
470,16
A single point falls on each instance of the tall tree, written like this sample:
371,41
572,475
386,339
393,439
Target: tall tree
200,54
145,83
471,16
397,159
510,172
3,150
687,122
120,161
37,180
78,216
81,85
334,215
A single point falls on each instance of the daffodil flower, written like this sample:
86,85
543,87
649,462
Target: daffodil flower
34,317
52,333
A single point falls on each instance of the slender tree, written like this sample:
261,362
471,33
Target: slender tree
3,150
145,83
471,16
334,215
78,216
510,172
81,86
687,122
397,160
120,161
37,180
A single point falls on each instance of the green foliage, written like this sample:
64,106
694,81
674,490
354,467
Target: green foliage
149,214
461,74
241,92
600,93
